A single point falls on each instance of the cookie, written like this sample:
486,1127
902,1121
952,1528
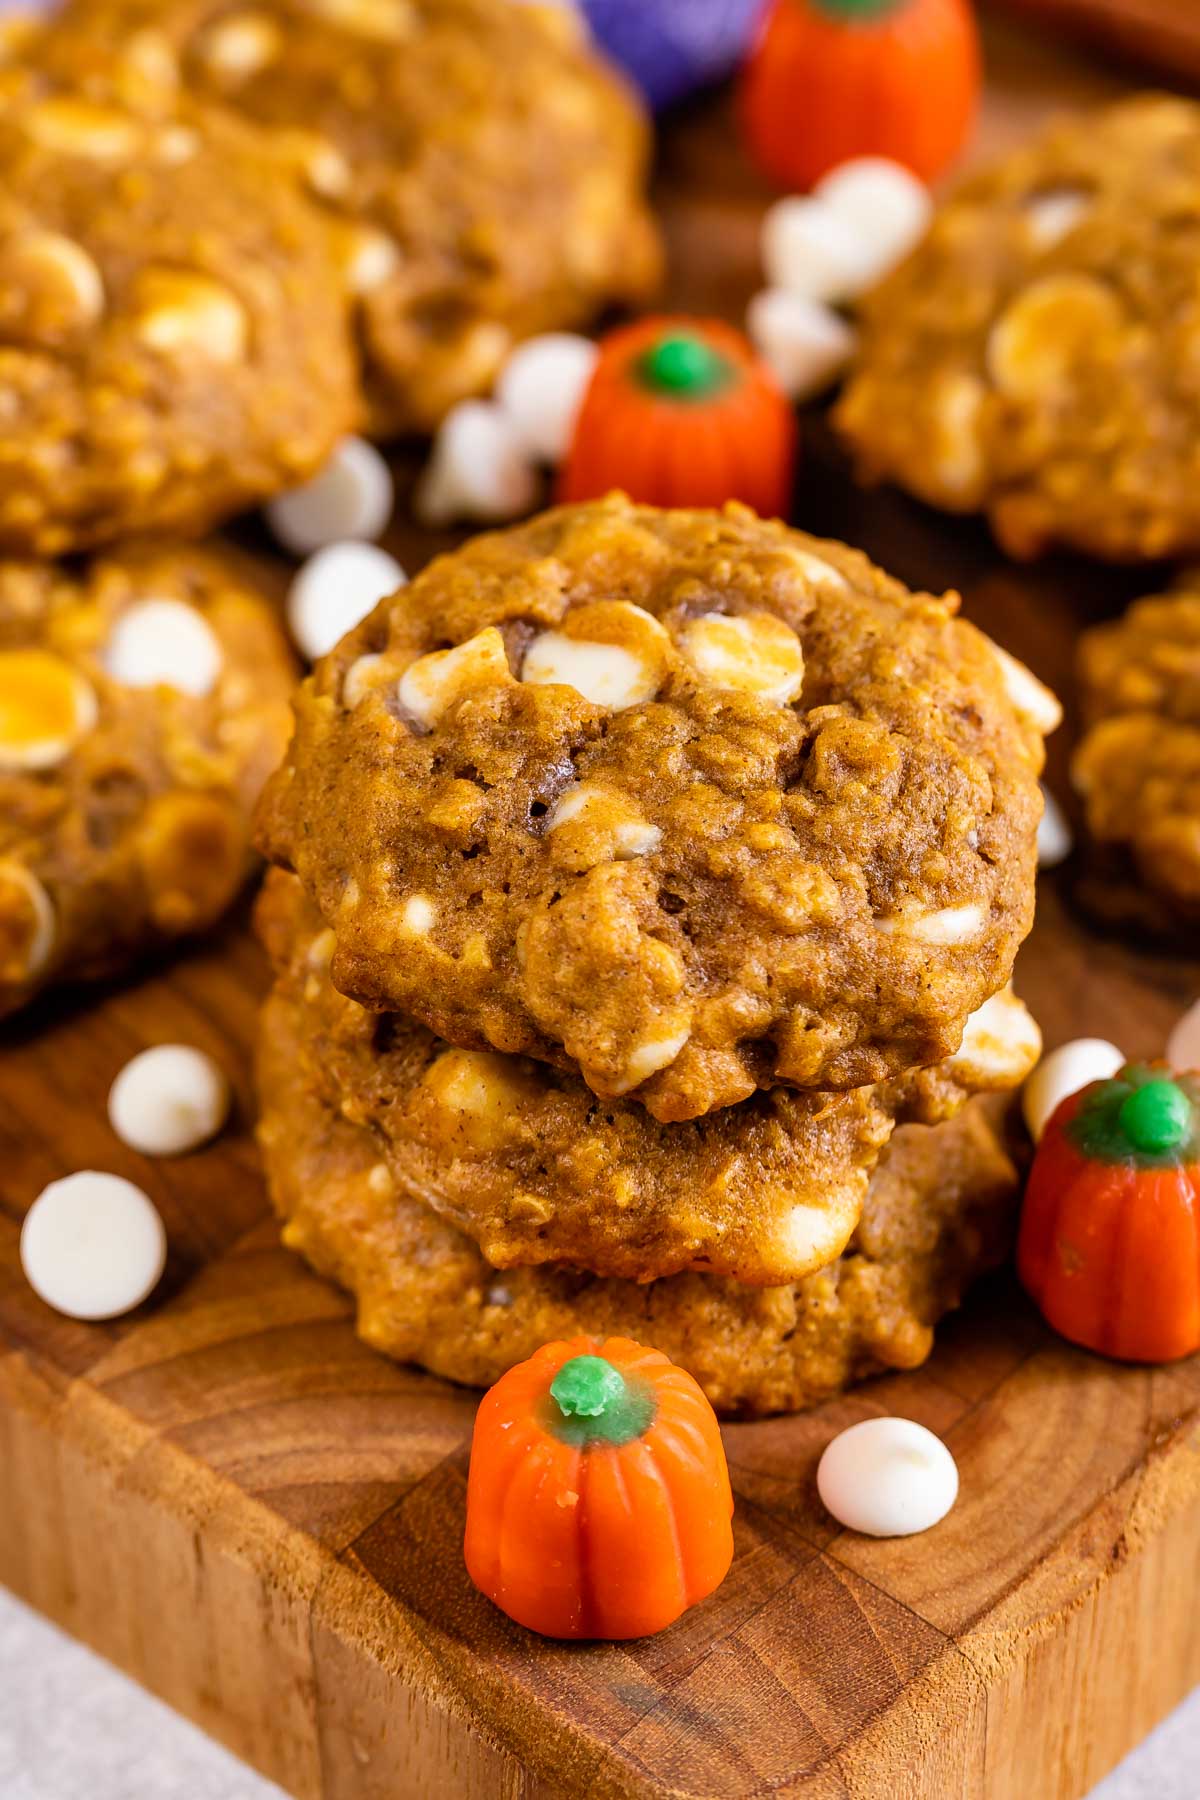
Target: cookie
939,1211
489,168
1038,357
687,802
174,333
1137,767
143,702
527,1162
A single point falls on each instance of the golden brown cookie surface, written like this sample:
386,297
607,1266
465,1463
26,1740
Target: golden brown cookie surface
1038,357
939,1211
174,338
490,169
143,702
689,802
531,1165
1138,765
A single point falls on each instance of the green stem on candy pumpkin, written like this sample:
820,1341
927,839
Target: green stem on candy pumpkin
682,365
851,11
1143,1116
591,1402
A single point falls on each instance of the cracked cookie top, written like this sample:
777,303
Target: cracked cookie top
1038,357
689,802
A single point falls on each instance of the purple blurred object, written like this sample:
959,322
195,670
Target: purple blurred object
672,47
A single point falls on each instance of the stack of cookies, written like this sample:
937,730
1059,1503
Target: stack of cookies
228,237
649,889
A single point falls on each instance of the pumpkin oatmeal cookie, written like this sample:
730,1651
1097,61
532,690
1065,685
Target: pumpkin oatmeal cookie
489,167
532,1166
939,1211
143,703
174,339
1137,768
686,802
1038,357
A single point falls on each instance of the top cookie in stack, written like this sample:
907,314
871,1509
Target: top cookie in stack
486,166
688,803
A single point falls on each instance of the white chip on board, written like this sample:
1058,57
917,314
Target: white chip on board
334,590
883,202
541,389
168,1099
1071,1067
887,1478
805,344
351,497
1054,839
93,1245
164,642
809,250
480,468
1183,1045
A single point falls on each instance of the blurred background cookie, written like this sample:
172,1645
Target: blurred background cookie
174,339
487,165
1038,357
143,702
1137,768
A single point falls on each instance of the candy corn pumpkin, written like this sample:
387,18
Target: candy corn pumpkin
1109,1245
681,412
598,1500
832,79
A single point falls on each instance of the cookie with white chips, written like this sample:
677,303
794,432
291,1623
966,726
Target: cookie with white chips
174,331
1035,358
143,702
688,802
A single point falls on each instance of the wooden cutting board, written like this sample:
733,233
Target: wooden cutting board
261,1520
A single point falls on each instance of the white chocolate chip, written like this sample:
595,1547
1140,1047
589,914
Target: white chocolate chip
804,343
241,44
630,834
74,127
93,1246
46,706
1033,701
651,1055
755,652
433,683
31,947
1183,1045
336,589
887,1478
168,1099
883,202
374,258
956,459
811,251
1053,215
185,315
812,1236
1000,1044
480,468
604,673
350,498
952,925
1054,839
57,274
483,1092
1050,333
164,642
1066,1070
541,390
418,916
816,570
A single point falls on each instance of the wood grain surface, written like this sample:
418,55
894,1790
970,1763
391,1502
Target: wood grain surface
1163,34
239,1503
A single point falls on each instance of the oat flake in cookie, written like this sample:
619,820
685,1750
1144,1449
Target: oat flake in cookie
488,166
174,340
1038,357
939,1211
689,802
143,702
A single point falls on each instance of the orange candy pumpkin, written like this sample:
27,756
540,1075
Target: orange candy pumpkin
832,79
598,1501
681,412
1109,1246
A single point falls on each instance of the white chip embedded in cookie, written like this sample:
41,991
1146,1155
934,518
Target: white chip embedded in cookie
46,706
433,683
755,652
167,643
